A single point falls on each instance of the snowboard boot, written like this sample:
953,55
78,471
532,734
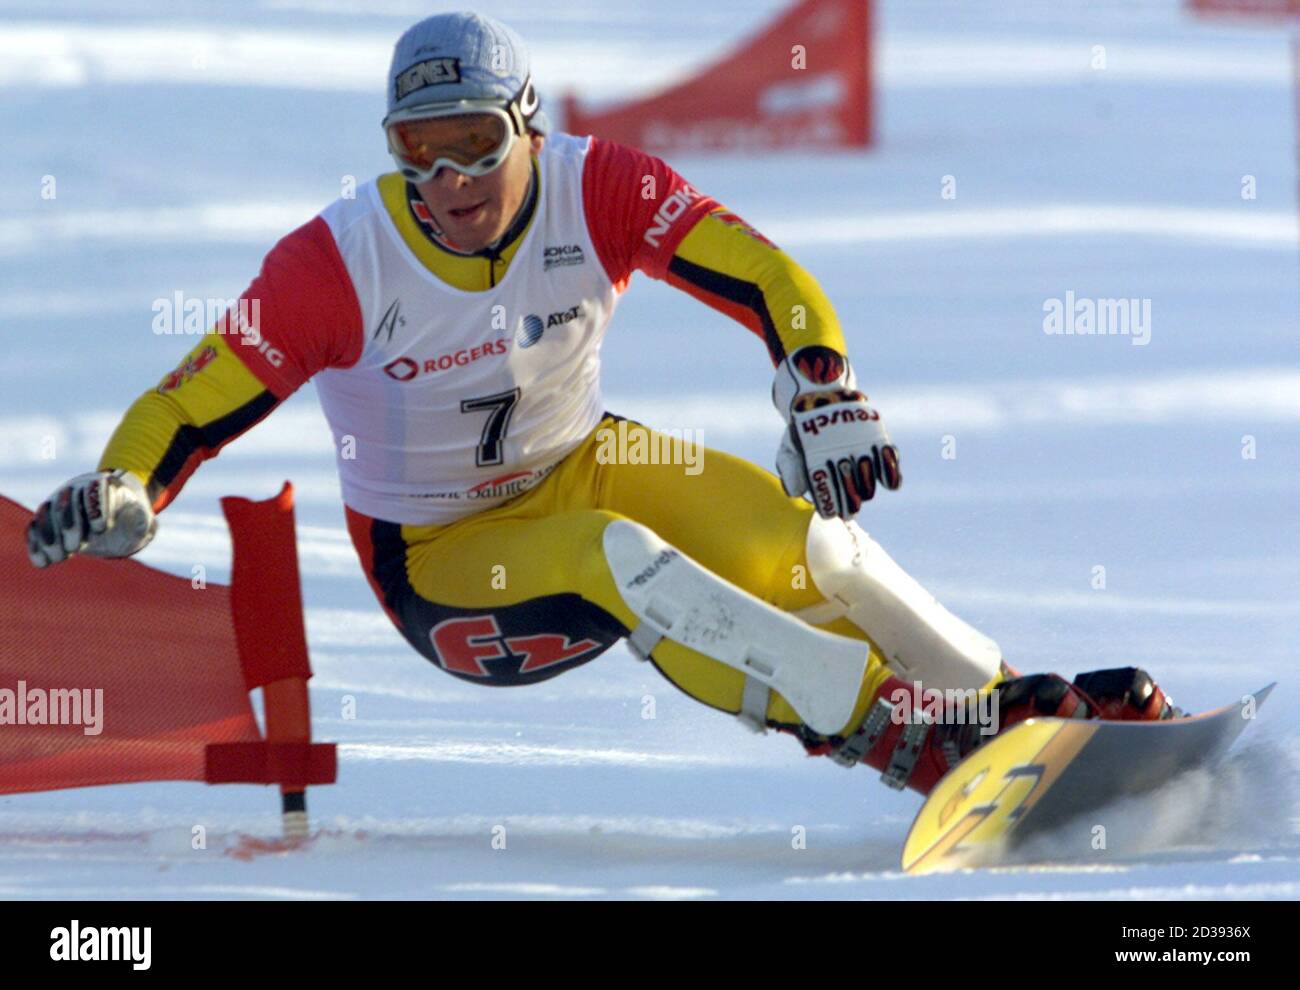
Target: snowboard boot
913,741
1126,694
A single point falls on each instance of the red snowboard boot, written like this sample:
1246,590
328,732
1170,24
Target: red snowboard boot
914,740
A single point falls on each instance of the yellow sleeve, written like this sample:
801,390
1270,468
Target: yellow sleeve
729,265
209,399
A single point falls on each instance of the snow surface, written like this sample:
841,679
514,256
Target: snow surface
185,141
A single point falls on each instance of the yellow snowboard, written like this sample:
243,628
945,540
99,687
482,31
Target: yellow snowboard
1045,771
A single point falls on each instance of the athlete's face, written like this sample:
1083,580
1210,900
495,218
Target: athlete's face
473,211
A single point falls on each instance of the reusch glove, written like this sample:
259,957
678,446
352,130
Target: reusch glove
835,451
103,513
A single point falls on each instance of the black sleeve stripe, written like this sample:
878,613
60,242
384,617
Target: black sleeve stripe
189,440
735,290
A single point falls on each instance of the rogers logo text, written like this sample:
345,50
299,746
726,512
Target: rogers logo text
674,206
404,369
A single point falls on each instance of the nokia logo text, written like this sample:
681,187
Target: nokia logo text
673,207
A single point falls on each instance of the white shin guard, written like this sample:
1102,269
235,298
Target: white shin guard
921,640
818,673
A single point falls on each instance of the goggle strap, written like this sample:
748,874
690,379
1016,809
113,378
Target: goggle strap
516,110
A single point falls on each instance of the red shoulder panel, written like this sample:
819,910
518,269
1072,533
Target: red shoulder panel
300,315
638,209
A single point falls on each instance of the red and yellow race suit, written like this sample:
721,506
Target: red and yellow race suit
464,396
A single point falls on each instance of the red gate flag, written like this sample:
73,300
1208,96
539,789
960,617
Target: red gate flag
113,672
1250,8
804,82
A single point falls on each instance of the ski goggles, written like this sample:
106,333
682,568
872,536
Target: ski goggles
470,136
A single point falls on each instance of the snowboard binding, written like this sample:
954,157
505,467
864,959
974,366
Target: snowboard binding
913,751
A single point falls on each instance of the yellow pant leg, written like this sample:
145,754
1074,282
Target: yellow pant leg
735,519
523,592
512,595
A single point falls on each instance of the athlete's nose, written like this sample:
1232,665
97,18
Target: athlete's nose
449,178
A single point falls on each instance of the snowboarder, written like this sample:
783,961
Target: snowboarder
451,315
